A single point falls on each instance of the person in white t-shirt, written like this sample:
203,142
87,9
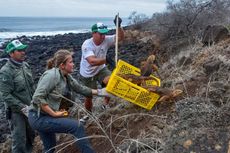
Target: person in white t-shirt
93,60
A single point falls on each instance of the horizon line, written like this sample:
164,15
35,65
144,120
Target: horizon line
61,16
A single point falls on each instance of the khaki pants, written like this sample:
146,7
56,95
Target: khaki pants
91,82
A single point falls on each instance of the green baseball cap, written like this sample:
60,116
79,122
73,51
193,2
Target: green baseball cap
100,27
15,45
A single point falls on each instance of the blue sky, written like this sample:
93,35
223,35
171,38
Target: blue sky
79,8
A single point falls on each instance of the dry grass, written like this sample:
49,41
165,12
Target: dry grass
107,126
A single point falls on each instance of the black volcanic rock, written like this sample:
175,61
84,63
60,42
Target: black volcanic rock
42,48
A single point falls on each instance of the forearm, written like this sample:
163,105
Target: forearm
96,61
121,34
48,110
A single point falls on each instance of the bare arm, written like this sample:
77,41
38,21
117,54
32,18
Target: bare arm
94,61
121,34
118,20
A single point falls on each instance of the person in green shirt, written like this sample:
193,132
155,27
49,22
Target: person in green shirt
16,90
46,115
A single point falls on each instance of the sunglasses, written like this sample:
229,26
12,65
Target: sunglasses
102,27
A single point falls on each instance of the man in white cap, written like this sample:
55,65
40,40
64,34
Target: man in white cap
17,88
93,60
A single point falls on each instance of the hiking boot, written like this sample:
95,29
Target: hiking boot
84,119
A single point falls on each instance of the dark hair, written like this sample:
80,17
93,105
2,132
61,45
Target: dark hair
59,57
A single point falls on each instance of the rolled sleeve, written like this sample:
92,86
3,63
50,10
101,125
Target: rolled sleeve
45,85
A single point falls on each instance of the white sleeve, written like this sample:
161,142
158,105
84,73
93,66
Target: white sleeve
87,51
110,39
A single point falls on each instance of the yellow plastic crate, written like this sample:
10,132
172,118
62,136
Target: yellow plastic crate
129,91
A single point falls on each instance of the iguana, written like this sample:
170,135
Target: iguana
148,67
165,93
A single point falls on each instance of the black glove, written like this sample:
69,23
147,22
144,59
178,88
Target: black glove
119,21
110,61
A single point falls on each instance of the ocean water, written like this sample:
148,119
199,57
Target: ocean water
12,27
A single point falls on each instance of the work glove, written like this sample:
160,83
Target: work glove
25,110
103,93
119,21
110,61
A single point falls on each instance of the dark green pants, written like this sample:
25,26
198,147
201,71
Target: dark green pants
22,134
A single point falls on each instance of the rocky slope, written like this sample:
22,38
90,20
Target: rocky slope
195,122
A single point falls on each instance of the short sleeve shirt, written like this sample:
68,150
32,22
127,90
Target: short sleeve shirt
90,49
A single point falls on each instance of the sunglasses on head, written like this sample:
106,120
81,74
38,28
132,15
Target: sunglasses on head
102,27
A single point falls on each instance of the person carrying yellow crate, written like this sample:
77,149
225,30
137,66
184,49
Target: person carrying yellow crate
93,60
